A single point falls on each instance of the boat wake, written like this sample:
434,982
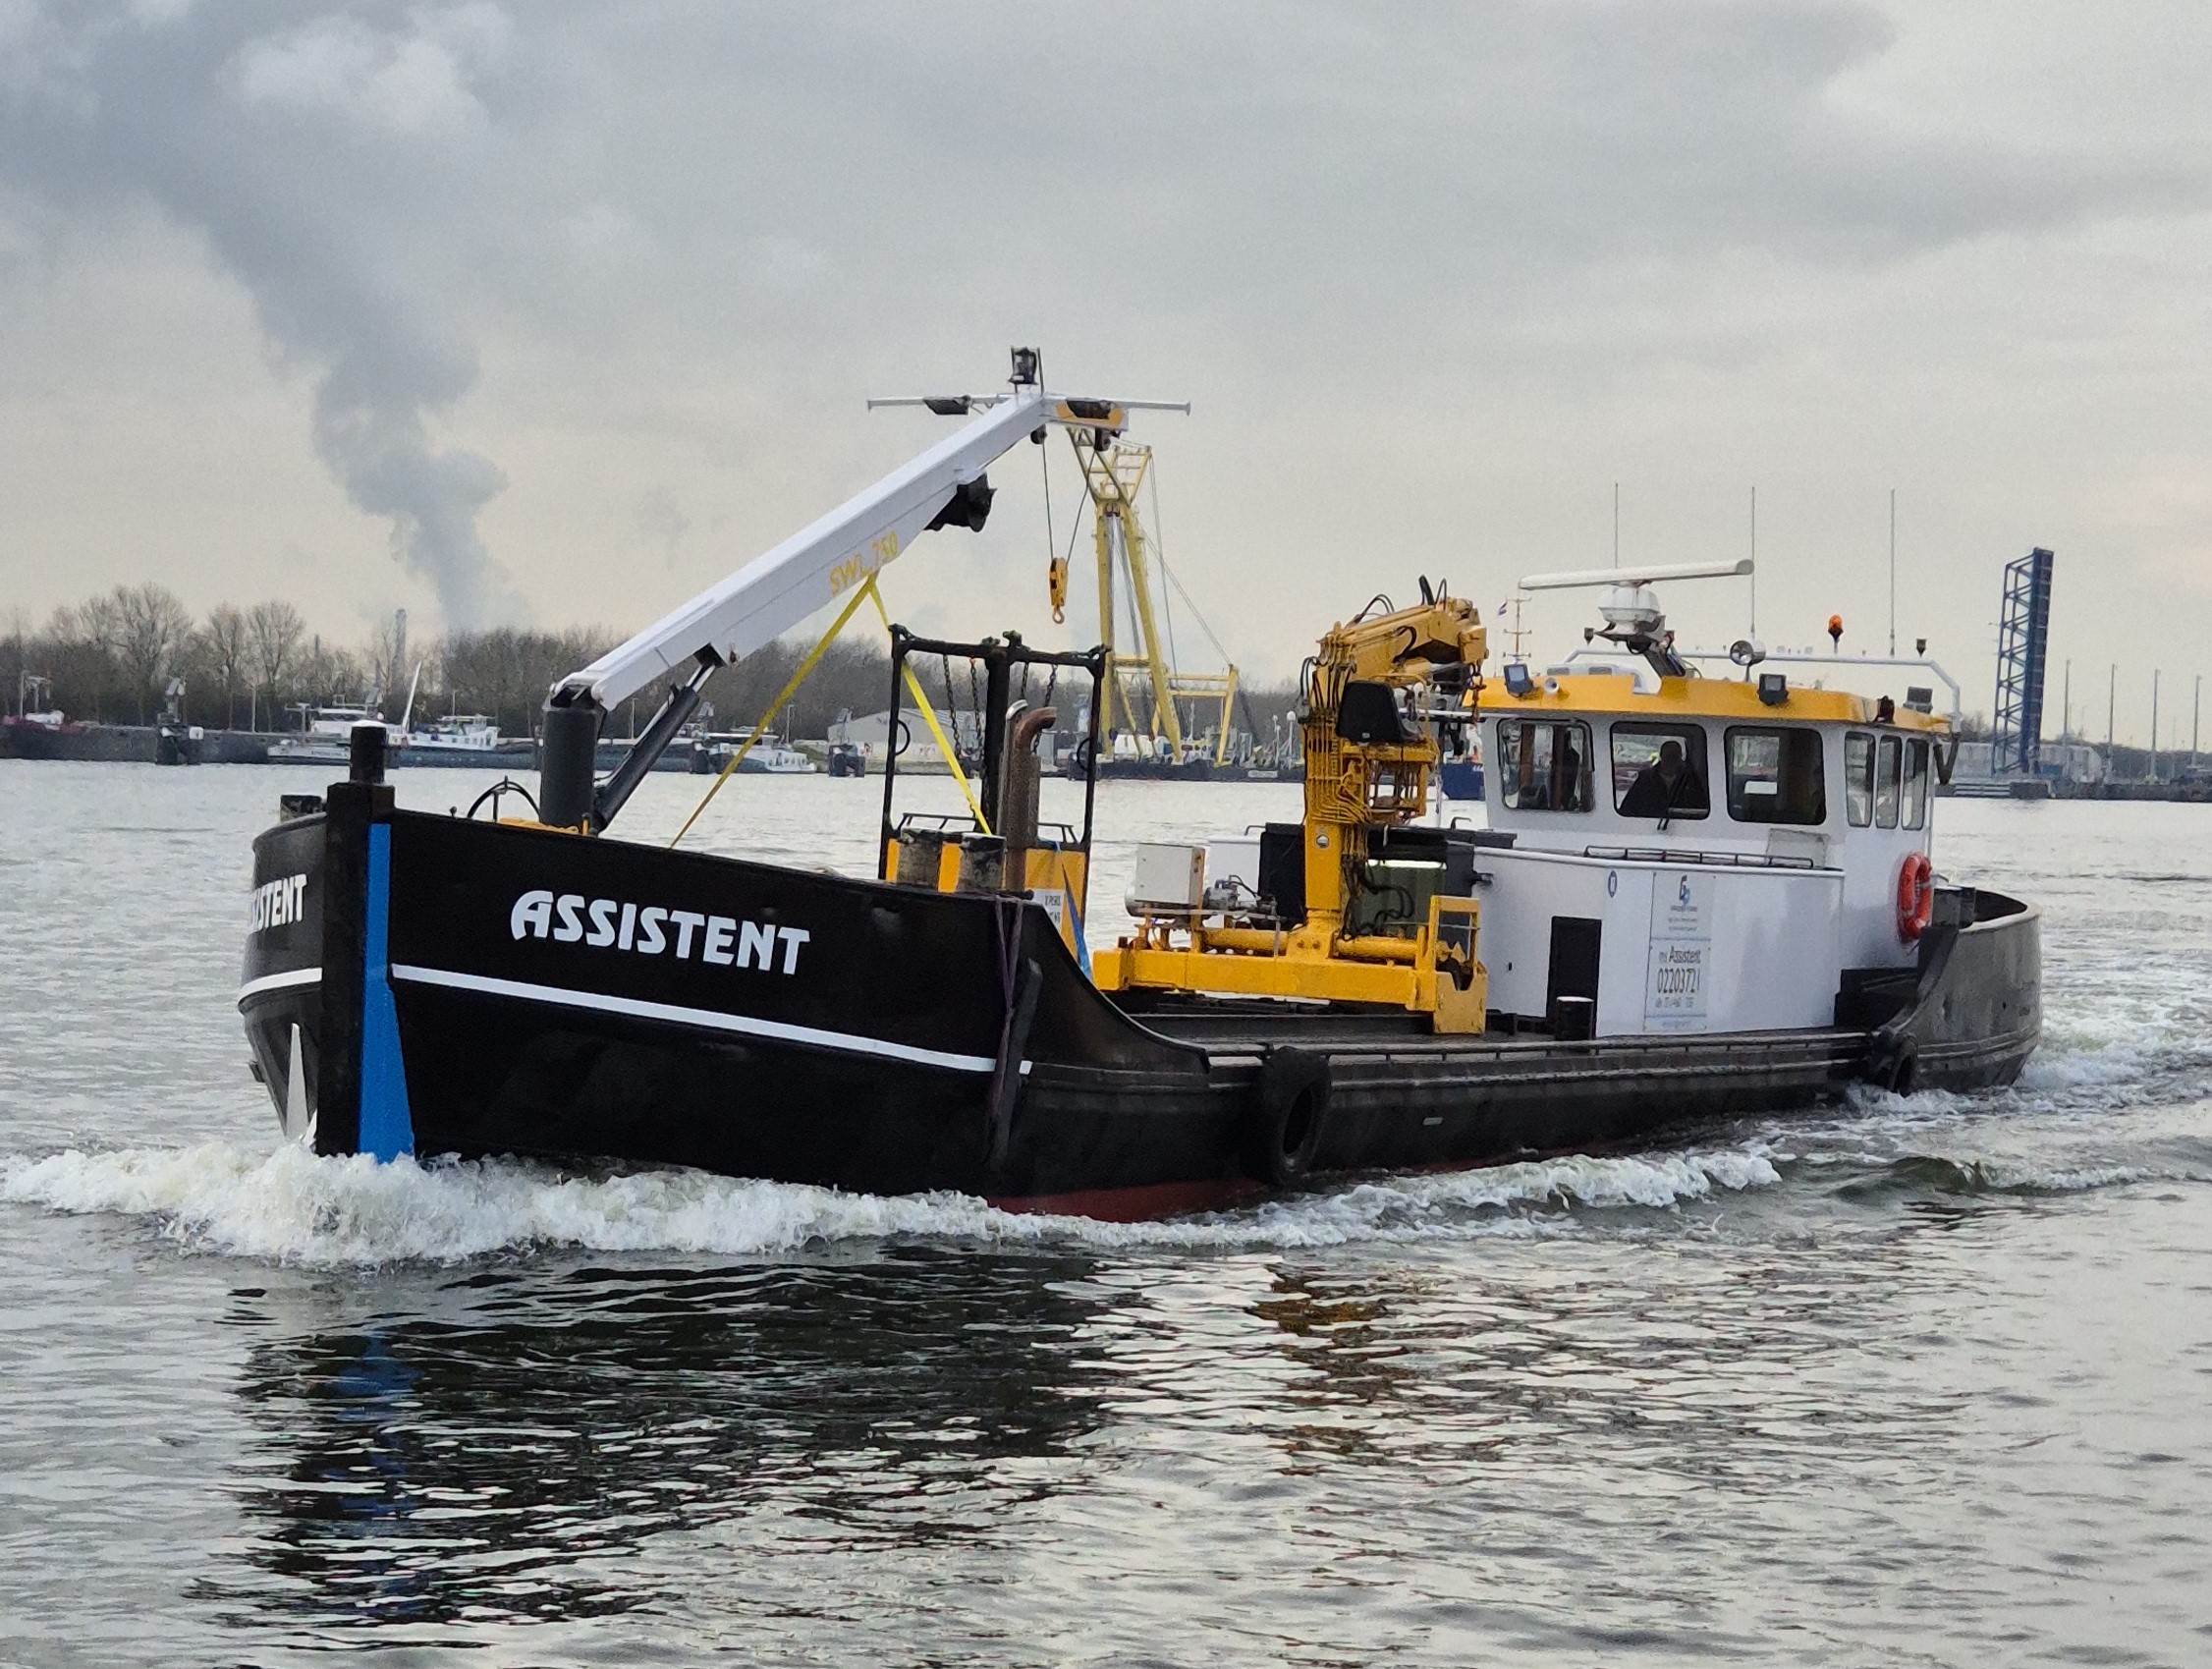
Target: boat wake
2105,1106
1920,1174
292,1207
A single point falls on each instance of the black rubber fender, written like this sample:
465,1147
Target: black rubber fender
1284,1116
1893,1062
1904,1068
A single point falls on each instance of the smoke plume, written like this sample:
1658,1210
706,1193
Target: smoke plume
295,150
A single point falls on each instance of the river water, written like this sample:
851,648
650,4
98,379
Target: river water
1918,1382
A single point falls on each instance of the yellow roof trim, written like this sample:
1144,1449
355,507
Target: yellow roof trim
1613,694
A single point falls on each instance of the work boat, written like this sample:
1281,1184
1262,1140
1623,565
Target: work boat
750,754
323,738
325,734
468,741
1696,897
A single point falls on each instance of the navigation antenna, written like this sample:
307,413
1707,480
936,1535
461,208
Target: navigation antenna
1629,607
1516,631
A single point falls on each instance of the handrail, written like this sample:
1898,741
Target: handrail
1808,658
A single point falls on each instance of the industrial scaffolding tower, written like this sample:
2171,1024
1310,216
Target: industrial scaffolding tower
1113,470
2024,638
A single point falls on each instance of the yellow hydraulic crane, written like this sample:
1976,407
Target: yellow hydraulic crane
1377,689
1141,691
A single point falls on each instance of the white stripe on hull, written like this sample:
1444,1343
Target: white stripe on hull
280,982
709,1019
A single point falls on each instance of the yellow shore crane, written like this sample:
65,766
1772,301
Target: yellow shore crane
1142,690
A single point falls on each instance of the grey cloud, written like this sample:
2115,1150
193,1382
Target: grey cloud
681,237
774,178
1258,162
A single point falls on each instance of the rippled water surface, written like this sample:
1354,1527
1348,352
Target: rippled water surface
1918,1382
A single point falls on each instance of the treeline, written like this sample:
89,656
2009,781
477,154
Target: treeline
112,658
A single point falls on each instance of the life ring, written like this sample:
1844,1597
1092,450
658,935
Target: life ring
1281,1126
1916,897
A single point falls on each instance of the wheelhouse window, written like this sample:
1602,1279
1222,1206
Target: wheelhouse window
1774,776
1888,766
1547,764
1659,772
1858,779
1916,784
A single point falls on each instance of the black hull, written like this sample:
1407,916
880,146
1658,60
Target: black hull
1156,770
456,992
518,758
106,743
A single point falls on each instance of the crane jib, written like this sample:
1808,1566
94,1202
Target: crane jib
944,486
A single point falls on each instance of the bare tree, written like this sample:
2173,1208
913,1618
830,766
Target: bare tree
15,658
335,676
227,641
273,632
151,627
89,637
507,673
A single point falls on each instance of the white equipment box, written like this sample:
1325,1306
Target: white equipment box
1233,873
1169,878
1234,858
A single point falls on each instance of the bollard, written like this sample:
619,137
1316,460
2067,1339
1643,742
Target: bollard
982,864
922,857
365,754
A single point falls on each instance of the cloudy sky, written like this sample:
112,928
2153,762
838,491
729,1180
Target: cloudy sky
556,314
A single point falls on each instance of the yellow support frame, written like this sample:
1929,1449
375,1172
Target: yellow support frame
790,689
1422,974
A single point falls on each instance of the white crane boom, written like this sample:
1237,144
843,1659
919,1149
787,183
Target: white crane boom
944,486
775,592
826,559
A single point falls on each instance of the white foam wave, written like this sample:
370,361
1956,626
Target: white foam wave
2085,1173
1647,1180
2097,1067
291,1206
2034,1179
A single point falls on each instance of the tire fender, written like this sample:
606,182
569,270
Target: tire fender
1904,1068
1284,1116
